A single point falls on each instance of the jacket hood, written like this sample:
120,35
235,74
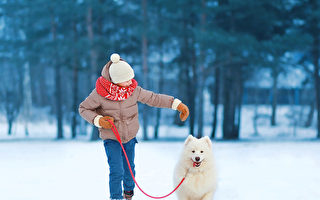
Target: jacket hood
105,71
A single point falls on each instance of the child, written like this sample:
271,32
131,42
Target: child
115,98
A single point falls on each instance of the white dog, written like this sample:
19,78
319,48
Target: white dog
197,166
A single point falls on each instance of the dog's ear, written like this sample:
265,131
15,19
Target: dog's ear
189,138
208,141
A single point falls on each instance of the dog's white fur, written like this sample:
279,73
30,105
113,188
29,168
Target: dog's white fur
200,182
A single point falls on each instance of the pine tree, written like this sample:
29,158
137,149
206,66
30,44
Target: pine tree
306,22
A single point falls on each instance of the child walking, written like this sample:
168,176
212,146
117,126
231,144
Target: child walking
115,98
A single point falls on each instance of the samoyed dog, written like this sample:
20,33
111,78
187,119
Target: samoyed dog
197,166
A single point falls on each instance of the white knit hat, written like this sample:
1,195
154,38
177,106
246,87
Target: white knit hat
120,71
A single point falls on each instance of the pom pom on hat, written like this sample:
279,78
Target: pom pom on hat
115,57
120,71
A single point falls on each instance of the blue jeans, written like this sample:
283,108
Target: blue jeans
119,170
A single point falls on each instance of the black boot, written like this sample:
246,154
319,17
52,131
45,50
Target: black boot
128,194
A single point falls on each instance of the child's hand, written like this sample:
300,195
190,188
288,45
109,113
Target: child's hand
184,111
104,123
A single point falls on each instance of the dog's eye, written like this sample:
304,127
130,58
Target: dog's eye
193,151
201,151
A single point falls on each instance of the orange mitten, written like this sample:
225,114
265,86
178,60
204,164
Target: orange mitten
104,123
184,111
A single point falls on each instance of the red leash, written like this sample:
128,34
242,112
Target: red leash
116,133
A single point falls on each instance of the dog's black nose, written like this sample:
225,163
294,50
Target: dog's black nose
197,158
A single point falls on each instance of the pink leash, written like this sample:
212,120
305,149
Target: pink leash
116,133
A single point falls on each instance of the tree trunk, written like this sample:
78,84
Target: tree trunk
93,63
229,91
201,102
310,115
191,103
12,109
193,84
145,66
275,75
160,86
11,99
201,80
316,55
58,102
227,119
10,122
93,53
157,126
256,114
57,78
229,105
317,88
145,85
27,97
183,77
75,103
216,101
42,87
75,84
238,100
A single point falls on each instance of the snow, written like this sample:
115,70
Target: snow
51,170
280,163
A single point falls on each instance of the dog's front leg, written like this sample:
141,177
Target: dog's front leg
208,196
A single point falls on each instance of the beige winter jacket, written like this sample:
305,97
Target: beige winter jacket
125,113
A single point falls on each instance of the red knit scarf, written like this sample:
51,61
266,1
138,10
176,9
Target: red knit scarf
112,91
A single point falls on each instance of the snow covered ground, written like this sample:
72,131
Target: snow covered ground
280,163
52,170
